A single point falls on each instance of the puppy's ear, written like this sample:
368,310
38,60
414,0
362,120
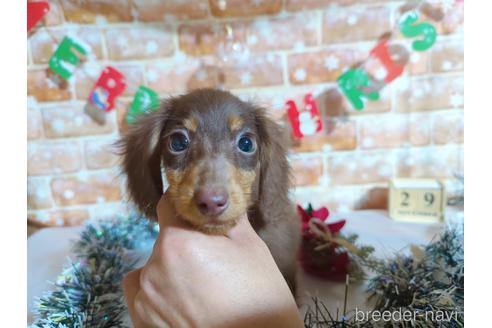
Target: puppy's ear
274,177
141,152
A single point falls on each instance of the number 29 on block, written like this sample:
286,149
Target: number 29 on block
420,200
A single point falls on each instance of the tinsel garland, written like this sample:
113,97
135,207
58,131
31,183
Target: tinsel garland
88,292
430,280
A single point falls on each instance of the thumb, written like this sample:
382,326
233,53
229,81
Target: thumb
166,214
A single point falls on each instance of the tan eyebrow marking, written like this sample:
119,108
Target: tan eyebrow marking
190,124
235,122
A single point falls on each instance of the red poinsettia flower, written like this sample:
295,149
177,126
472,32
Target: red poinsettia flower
322,214
327,263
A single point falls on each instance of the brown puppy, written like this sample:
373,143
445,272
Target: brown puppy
222,157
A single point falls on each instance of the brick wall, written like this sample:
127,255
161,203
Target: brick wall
285,48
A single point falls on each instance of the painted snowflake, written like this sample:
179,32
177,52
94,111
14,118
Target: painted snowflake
300,74
332,62
456,100
446,5
246,78
151,47
152,76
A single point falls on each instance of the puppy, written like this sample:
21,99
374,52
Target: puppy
222,157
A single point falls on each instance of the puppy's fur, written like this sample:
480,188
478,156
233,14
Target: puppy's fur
256,182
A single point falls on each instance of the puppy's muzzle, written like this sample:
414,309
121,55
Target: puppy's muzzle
211,201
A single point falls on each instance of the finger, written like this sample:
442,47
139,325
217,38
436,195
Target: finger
131,287
131,284
166,213
165,210
146,314
167,216
151,305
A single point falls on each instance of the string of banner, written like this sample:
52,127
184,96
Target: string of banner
357,83
70,53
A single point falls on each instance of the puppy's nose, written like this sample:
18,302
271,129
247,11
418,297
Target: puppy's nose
211,202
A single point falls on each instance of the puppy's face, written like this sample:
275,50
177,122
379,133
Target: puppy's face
210,146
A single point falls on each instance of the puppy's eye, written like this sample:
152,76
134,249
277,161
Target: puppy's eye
178,142
246,144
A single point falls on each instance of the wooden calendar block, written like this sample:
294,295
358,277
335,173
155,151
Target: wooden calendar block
419,200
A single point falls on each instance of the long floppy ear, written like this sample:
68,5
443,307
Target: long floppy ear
274,167
141,152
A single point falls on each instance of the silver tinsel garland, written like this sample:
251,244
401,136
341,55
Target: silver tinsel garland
88,292
429,282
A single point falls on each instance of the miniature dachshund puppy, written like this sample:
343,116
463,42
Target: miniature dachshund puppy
222,157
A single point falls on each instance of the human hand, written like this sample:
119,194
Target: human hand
196,280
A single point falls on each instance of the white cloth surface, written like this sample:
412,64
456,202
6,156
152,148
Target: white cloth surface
49,251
